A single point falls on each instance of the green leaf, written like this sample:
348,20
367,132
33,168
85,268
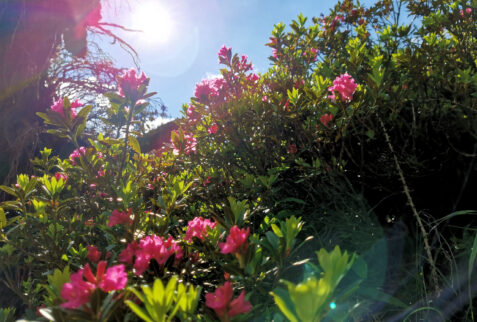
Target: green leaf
281,298
277,231
139,311
3,219
134,144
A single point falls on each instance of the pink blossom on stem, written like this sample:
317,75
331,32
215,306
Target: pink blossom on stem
345,86
192,114
115,279
326,118
155,247
225,55
314,53
76,292
197,227
118,218
129,252
129,83
94,255
236,241
58,107
208,89
191,144
213,128
222,303
76,154
101,173
243,64
59,175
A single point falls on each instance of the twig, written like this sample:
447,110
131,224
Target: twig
425,235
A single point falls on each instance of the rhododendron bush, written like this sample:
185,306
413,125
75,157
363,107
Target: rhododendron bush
259,206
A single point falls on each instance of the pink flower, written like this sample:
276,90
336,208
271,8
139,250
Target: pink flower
118,218
94,254
213,128
326,118
197,227
468,10
191,144
274,53
243,64
62,176
155,247
225,55
76,154
207,181
236,241
223,305
58,107
115,279
192,114
101,173
345,86
207,89
77,292
129,83
127,254
314,53
253,78
265,99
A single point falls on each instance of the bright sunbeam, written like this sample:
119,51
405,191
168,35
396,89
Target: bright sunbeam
154,20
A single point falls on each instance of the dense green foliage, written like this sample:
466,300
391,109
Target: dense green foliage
362,134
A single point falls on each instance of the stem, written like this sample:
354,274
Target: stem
128,123
413,207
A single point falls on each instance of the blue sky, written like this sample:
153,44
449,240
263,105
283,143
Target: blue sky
192,33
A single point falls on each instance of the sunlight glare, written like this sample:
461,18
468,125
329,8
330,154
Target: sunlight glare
154,20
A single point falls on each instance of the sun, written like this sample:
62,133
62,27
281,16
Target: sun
154,20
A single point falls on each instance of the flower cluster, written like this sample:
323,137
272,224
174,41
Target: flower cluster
94,254
119,218
213,128
62,176
76,154
208,89
326,118
463,13
331,25
225,55
224,305
58,108
78,291
198,228
345,86
150,247
129,83
236,242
